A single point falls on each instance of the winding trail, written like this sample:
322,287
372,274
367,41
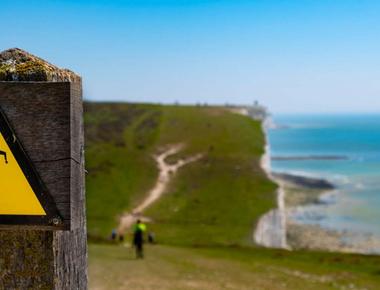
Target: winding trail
166,172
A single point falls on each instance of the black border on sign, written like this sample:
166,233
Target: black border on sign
52,217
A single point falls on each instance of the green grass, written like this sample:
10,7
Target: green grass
216,200
119,171
177,268
204,221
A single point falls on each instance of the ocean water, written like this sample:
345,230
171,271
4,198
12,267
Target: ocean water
355,204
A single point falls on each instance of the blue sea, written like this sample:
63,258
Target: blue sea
355,205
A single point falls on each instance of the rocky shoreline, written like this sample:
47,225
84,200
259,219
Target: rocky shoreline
300,191
304,182
277,228
314,237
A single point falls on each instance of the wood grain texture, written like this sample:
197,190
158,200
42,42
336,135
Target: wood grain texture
48,120
26,260
47,125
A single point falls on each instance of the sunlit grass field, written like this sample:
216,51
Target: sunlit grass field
216,200
217,268
204,221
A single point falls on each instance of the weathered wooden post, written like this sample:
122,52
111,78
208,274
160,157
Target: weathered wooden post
43,241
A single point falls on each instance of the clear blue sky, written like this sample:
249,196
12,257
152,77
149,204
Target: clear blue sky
293,56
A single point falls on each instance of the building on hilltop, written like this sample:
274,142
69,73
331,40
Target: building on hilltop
258,111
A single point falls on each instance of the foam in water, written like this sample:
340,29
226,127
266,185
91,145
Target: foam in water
355,204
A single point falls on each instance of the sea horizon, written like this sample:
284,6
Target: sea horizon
355,139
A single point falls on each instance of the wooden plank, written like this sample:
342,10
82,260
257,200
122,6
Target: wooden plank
26,260
47,118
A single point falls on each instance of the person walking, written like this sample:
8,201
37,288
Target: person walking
151,238
138,238
113,235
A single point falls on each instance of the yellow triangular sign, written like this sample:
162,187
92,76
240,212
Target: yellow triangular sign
16,194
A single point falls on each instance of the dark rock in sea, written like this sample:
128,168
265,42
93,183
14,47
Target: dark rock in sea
309,157
19,65
306,182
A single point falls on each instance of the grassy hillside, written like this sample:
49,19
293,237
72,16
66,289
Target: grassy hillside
216,200
205,220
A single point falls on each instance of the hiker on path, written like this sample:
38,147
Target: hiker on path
113,235
138,238
151,238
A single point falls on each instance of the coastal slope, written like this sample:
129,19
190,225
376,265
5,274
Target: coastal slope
205,217
217,199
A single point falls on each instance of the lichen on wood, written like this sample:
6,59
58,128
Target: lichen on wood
19,65
39,259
